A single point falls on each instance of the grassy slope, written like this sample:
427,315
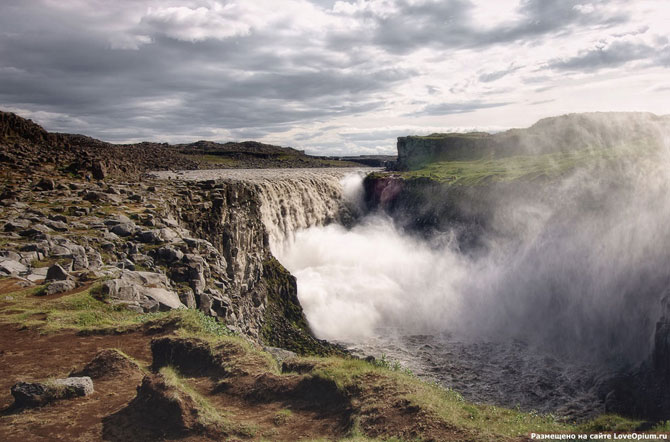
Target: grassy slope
82,312
519,167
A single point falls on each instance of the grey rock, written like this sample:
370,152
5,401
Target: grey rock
11,267
36,394
56,273
59,226
150,237
10,255
60,287
187,298
38,274
147,289
60,218
36,231
116,220
94,258
169,254
124,229
80,259
16,225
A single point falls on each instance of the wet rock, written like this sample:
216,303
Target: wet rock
36,394
57,273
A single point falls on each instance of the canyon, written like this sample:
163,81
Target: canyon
530,283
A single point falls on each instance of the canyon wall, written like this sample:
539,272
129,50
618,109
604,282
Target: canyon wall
599,130
245,219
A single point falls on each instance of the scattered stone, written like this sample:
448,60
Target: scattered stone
38,274
36,394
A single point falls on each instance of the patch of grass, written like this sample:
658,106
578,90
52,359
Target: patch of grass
208,415
487,422
216,159
282,417
519,167
611,422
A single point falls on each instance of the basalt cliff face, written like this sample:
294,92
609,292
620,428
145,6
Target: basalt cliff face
244,220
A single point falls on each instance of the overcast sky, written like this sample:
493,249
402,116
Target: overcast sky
323,75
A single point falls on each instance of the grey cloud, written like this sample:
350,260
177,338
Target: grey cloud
449,24
496,75
616,54
173,88
455,108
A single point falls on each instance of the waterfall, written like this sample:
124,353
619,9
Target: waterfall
311,197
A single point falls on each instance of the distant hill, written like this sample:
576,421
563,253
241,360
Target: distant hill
26,145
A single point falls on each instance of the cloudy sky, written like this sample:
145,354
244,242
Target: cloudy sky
323,75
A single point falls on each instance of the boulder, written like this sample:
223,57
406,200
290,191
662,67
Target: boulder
16,225
150,237
124,229
56,273
11,267
60,287
146,290
169,254
45,184
35,394
58,226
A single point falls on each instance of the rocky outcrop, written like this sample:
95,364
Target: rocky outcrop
141,291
